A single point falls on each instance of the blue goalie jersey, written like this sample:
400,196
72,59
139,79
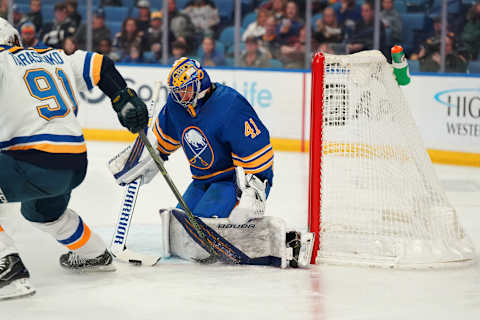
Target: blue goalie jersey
225,133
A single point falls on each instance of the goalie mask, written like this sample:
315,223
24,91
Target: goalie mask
8,34
188,82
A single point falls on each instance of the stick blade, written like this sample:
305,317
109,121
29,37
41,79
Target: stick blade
136,258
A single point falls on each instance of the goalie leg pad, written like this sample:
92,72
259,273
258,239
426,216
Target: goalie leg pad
259,242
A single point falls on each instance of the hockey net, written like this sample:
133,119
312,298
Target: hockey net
374,197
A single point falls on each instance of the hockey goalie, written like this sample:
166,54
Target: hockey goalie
231,161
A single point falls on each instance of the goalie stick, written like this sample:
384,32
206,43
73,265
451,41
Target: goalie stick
213,255
119,241
118,246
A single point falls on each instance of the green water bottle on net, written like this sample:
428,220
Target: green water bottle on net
400,66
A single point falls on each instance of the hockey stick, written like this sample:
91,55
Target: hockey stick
213,255
118,246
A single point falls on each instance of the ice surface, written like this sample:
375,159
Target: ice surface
175,289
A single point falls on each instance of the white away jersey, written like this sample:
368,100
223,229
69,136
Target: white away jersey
38,94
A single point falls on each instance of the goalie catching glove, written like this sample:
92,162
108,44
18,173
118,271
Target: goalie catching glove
251,193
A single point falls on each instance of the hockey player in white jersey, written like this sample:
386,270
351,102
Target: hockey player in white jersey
43,152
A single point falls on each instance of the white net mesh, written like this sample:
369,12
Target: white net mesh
381,202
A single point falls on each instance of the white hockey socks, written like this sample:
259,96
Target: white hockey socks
7,246
72,232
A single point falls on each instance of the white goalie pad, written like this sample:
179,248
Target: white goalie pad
258,242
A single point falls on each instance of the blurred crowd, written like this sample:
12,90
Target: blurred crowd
273,33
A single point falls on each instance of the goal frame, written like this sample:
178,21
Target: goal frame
450,249
315,156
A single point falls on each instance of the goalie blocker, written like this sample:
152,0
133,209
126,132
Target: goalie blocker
262,241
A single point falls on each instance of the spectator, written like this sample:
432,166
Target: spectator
35,15
329,31
293,54
18,17
204,16
29,38
348,15
392,21
276,7
105,48
4,9
362,38
73,15
326,48
143,19
471,32
55,32
253,56
290,25
180,23
135,55
155,35
454,62
99,31
69,45
179,49
111,3
430,37
270,42
211,57
257,28
436,29
130,36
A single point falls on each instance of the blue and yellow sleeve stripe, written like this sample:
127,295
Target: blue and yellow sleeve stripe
91,69
166,144
256,162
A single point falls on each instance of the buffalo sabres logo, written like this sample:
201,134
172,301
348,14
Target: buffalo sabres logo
197,148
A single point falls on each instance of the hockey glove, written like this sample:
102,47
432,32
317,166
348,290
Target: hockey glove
131,110
251,195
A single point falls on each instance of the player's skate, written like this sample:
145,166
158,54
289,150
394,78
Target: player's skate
75,262
14,278
302,246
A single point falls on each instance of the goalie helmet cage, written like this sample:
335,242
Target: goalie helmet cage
374,197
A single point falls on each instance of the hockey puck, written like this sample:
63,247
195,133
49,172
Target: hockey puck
135,262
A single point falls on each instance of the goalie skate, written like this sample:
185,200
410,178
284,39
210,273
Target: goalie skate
73,261
14,278
302,246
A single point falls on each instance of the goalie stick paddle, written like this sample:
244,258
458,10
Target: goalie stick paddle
119,241
213,255
118,246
